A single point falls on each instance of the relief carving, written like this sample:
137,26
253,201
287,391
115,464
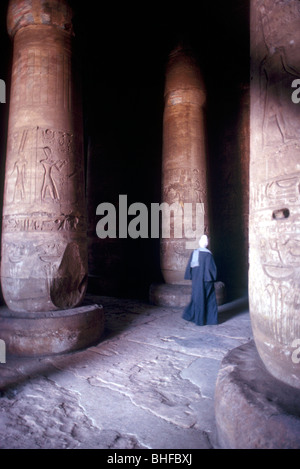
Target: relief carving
278,68
183,185
278,75
49,164
49,184
19,190
45,223
282,190
19,169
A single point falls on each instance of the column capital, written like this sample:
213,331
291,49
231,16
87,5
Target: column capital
23,13
183,73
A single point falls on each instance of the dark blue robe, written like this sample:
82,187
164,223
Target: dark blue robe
202,309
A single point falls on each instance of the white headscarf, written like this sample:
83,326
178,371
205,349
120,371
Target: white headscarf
203,242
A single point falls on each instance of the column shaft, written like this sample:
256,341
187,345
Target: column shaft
44,258
184,161
274,232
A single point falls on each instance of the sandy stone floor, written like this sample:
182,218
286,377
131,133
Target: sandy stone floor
149,383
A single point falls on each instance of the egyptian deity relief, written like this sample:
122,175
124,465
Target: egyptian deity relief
43,170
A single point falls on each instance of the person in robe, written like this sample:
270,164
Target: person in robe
202,270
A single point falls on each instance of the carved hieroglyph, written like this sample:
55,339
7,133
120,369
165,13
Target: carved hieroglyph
44,258
184,158
274,235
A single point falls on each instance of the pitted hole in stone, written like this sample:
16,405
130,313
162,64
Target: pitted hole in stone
280,214
68,287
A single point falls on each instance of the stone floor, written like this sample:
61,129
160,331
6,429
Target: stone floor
149,383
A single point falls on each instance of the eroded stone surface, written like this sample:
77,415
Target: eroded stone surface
60,331
254,410
149,383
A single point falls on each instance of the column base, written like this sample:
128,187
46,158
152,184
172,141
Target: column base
253,409
53,332
166,294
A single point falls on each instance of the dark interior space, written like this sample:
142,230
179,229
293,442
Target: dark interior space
123,52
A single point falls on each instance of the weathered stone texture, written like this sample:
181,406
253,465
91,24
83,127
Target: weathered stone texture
149,383
53,332
253,409
44,259
274,185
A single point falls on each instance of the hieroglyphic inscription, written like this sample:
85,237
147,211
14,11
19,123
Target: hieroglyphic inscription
183,185
276,192
44,168
277,237
43,222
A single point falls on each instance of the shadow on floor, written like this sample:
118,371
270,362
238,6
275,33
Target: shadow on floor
232,309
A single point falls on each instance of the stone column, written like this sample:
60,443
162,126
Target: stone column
184,159
44,245
44,254
257,391
274,235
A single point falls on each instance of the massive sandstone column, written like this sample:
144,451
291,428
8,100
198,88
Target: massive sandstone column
44,258
184,159
274,256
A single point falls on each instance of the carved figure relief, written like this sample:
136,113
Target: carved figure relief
278,68
183,185
49,185
20,168
48,166
277,96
